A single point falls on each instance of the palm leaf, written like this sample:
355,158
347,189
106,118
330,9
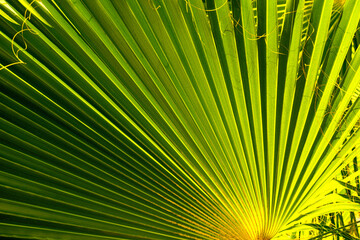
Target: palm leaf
176,119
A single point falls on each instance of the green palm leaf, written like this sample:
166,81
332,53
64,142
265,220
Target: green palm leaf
179,119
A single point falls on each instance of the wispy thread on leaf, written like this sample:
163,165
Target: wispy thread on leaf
188,4
24,28
152,5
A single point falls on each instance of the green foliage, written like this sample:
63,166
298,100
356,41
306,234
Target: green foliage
179,119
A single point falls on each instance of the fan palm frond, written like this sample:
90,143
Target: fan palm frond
179,119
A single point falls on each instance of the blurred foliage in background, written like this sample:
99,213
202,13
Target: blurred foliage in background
179,119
